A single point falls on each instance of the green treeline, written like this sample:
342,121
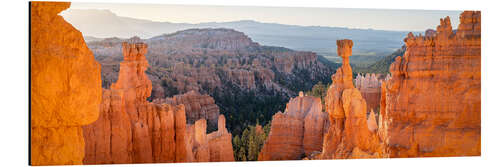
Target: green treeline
247,146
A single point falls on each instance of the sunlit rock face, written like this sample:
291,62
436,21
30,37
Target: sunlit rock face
432,104
348,135
296,132
65,87
197,107
131,129
219,142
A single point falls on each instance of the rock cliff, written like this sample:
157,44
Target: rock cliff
65,87
296,132
133,130
348,135
432,104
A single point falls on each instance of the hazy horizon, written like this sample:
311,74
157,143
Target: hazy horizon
376,19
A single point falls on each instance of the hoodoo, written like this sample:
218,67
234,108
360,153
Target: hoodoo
297,131
432,104
133,130
348,135
197,107
428,106
65,87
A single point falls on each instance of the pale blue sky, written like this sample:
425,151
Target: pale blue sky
399,20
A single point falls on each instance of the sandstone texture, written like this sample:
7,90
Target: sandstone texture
220,146
134,130
197,107
297,131
348,135
432,104
369,86
65,87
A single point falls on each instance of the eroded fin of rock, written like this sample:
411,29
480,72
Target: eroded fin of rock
296,132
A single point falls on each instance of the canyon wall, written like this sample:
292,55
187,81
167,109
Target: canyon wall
65,87
134,130
296,132
432,104
348,135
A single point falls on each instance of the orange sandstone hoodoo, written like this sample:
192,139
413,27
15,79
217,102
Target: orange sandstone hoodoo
133,130
197,106
432,104
65,87
348,135
296,132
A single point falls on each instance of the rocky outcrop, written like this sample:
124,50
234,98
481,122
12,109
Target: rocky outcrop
133,130
297,131
369,86
348,135
197,107
220,146
432,104
65,87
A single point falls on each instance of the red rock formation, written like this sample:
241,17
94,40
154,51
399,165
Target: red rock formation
191,60
181,151
130,129
133,130
432,104
65,87
372,122
348,135
197,107
213,147
315,125
242,77
221,148
297,131
369,86
199,141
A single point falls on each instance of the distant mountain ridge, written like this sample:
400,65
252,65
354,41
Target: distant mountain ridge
104,24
